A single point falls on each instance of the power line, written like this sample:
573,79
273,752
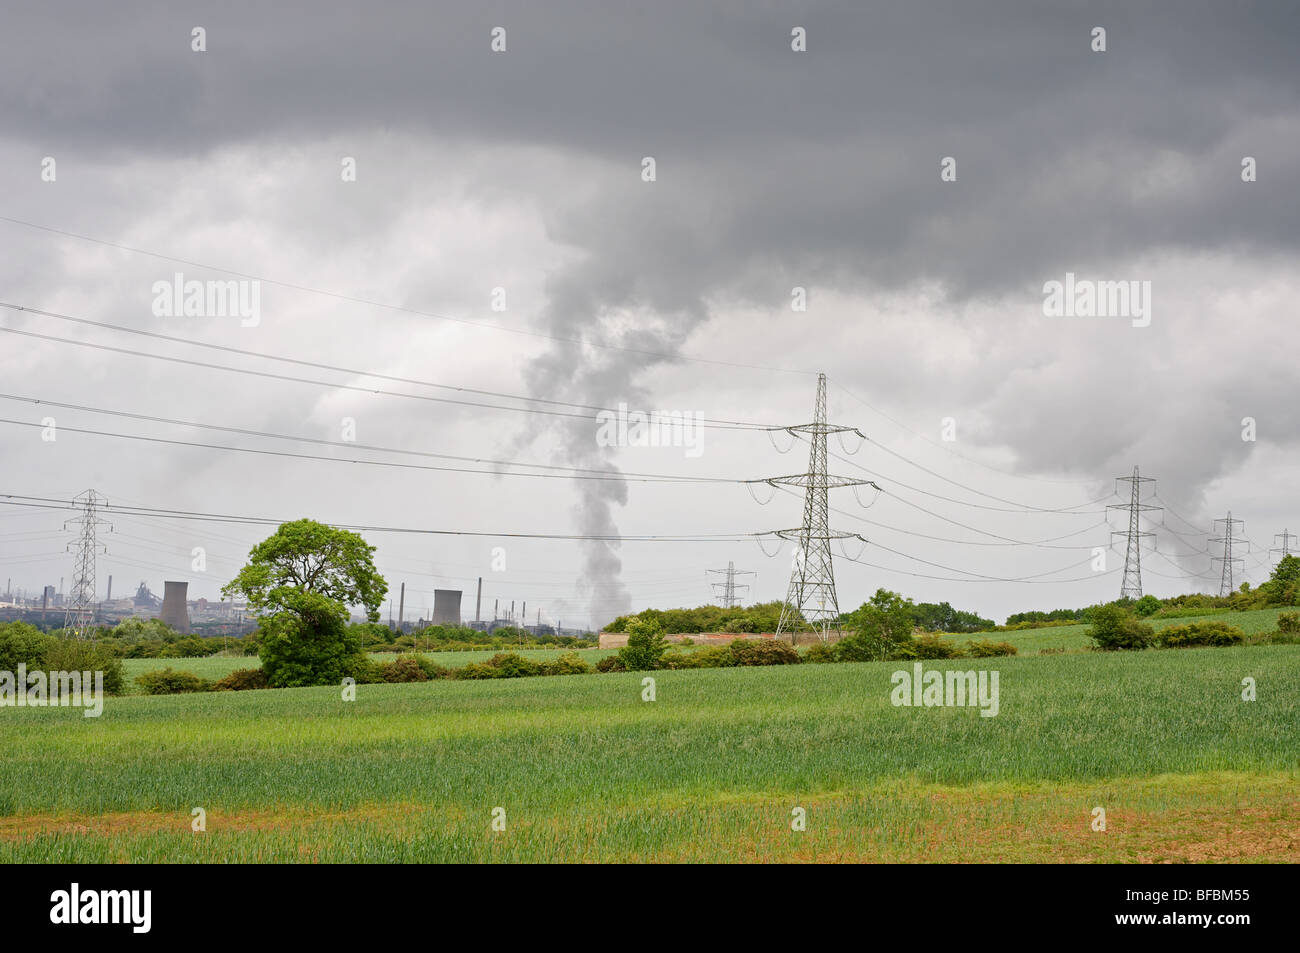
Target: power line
581,342
333,385
360,462
356,372
949,450
39,502
348,445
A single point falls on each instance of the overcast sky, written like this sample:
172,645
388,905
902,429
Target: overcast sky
522,170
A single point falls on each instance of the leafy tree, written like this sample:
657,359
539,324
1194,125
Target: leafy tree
645,645
1283,587
1147,605
1115,627
22,643
302,581
136,629
880,628
944,618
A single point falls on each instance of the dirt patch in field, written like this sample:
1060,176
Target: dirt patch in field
127,823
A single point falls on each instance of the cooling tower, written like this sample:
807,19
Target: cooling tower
446,607
173,610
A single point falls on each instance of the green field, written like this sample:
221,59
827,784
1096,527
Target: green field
587,771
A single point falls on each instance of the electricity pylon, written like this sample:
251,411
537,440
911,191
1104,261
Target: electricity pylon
811,595
80,615
1285,548
729,585
1131,585
1226,587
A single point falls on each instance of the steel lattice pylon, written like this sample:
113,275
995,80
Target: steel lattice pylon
811,595
729,586
80,615
1228,538
1131,586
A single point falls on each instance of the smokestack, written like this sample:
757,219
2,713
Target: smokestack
401,607
512,612
174,611
478,603
523,614
108,596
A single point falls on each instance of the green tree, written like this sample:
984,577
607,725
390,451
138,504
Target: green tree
1115,627
645,645
1283,587
301,581
881,627
1147,605
22,643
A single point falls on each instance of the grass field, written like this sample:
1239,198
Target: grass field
711,770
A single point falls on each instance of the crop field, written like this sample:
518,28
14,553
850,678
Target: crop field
584,770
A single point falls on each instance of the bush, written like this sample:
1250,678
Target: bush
241,679
762,652
75,655
168,682
475,670
295,653
864,647
981,648
713,656
406,668
1288,622
820,653
932,646
513,665
610,663
645,645
501,665
1115,628
568,663
1212,632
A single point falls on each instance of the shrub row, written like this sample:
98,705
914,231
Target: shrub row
1212,632
928,645
1115,629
